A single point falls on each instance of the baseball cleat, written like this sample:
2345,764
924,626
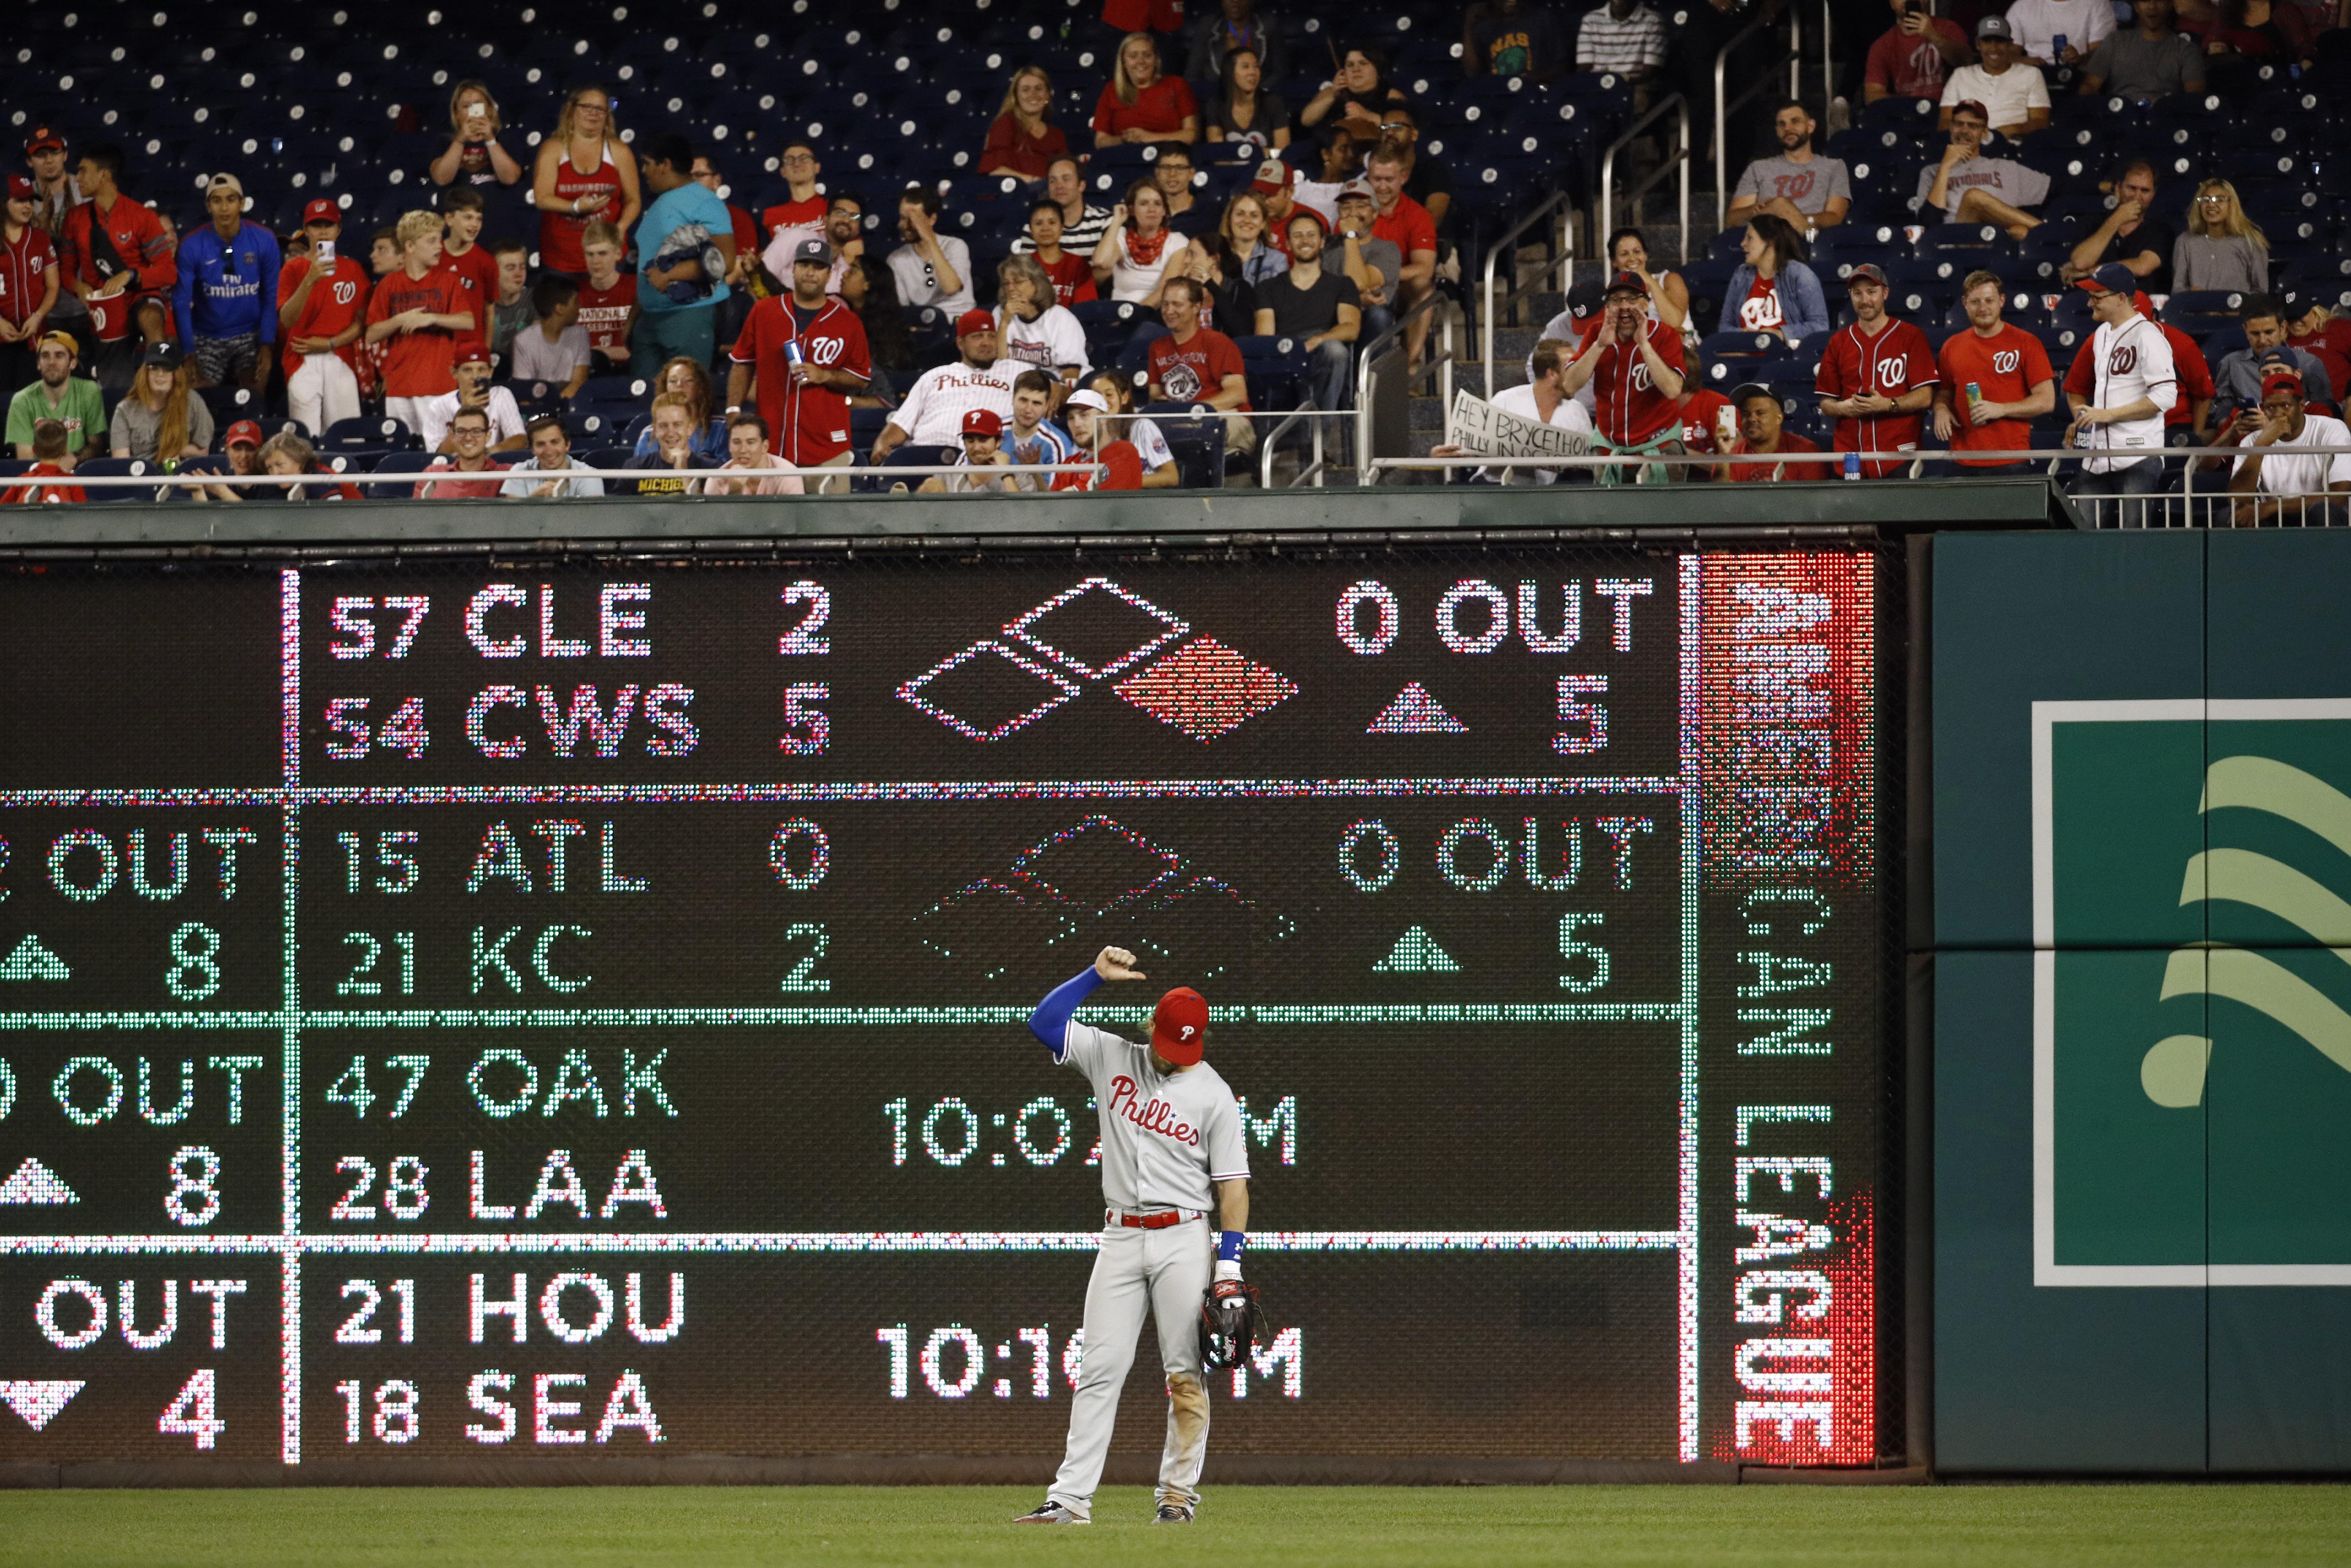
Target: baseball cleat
1172,1513
1052,1513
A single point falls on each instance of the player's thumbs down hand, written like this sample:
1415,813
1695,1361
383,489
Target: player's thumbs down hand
1116,964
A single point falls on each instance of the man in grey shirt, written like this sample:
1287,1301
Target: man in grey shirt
2153,59
1371,264
1968,188
552,474
2236,379
1809,190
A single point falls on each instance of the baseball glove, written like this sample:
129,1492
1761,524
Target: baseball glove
1228,1324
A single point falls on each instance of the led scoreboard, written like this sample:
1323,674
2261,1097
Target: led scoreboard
576,1009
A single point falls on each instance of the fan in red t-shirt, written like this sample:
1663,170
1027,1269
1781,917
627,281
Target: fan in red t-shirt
1767,446
2007,367
462,210
1122,458
1877,377
803,206
2315,330
417,314
1139,105
1198,364
608,299
1073,276
1633,366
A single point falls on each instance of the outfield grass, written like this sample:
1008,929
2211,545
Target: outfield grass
1239,1527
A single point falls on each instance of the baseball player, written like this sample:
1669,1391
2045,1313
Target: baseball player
1170,1133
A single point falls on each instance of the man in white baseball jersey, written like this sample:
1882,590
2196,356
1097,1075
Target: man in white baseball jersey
1170,1133
932,414
2122,428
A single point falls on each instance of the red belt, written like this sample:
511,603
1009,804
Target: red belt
1143,1221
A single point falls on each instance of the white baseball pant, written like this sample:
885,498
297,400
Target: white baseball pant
322,391
1167,1270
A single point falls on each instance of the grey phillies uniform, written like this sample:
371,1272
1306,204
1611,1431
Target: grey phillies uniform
1165,1141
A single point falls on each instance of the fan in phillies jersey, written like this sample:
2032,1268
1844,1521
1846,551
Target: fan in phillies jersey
805,400
2121,425
1633,366
932,413
1877,376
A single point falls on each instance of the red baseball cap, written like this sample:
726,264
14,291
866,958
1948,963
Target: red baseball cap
43,140
2282,381
972,322
322,211
472,354
982,421
22,189
243,430
1179,1026
1272,175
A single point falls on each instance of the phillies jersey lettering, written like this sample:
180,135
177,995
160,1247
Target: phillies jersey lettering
1158,1116
1165,1139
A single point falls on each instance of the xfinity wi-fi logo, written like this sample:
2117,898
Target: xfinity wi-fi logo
2191,924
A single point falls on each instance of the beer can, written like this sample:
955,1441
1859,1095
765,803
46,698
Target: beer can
792,354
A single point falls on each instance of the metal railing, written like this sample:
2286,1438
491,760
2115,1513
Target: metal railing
1315,420
1490,309
1371,363
407,479
1792,56
1681,159
2203,499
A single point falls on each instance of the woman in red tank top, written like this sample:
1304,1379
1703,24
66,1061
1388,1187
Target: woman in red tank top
584,175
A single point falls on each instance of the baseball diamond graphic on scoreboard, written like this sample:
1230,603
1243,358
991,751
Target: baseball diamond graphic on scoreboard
564,1009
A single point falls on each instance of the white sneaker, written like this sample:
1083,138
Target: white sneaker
1052,1513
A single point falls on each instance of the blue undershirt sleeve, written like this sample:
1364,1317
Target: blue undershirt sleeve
1051,1021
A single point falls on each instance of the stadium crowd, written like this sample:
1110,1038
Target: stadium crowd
1108,277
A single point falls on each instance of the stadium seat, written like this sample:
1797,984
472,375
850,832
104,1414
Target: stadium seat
401,462
114,468
368,434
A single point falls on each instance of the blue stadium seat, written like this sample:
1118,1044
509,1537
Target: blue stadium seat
368,434
400,462
112,468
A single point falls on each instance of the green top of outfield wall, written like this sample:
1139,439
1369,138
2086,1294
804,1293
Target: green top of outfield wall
1332,516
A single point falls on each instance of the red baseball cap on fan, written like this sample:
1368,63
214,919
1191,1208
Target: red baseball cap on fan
1180,1027
322,211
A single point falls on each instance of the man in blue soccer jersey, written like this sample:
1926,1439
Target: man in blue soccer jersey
1170,1133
